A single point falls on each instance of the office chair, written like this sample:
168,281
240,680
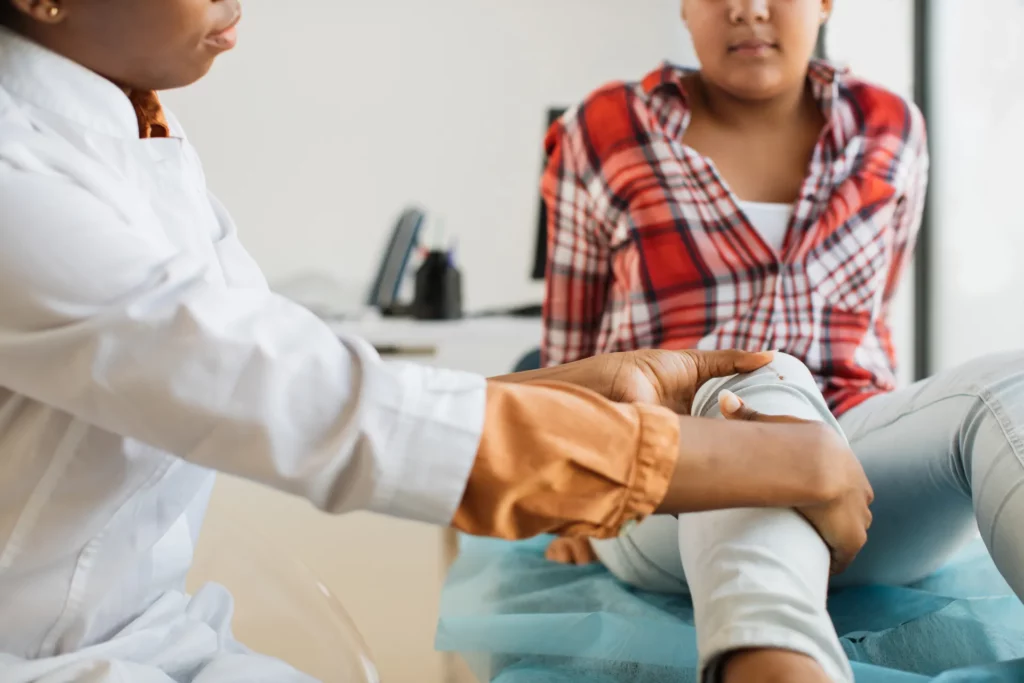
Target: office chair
530,361
281,608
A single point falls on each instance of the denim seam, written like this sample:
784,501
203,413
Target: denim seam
994,407
910,411
1005,425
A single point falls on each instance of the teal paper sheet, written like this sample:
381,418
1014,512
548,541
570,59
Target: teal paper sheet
517,618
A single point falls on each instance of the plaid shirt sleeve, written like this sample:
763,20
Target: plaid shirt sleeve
910,209
578,269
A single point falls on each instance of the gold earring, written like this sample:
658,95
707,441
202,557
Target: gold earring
52,12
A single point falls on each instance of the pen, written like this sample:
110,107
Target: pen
451,252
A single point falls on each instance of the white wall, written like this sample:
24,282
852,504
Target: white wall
876,39
979,142
331,116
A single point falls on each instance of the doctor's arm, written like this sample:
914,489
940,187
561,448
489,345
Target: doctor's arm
559,458
107,320
112,324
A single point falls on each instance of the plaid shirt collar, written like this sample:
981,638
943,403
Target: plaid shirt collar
825,79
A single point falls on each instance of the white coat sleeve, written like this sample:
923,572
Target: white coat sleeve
112,324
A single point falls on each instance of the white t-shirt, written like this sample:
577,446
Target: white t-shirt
770,220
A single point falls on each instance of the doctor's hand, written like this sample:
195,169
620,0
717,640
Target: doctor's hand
666,378
843,516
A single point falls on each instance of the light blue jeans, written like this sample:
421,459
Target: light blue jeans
946,460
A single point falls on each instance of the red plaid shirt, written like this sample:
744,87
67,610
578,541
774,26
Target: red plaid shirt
648,248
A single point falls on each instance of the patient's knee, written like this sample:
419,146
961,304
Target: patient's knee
783,386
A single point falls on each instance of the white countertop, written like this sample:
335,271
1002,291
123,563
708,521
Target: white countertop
487,346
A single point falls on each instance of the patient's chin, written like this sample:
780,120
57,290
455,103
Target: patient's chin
756,85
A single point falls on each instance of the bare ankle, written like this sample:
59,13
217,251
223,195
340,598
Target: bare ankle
772,666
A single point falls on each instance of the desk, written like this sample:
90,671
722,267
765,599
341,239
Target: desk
486,346
387,573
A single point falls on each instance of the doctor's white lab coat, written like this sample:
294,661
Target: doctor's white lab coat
140,350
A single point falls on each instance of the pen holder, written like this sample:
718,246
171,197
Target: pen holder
438,289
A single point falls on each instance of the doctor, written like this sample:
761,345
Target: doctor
141,350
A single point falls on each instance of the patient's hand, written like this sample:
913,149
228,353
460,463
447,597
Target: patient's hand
576,551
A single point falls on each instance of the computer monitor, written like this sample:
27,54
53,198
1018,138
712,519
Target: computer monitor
540,256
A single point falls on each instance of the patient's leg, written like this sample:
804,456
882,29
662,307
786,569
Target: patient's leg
758,577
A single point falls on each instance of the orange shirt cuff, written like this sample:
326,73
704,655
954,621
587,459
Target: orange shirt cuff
556,458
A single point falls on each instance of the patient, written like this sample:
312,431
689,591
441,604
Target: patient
768,201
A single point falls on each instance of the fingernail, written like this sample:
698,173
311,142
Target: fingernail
729,401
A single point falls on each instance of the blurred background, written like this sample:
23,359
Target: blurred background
332,117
